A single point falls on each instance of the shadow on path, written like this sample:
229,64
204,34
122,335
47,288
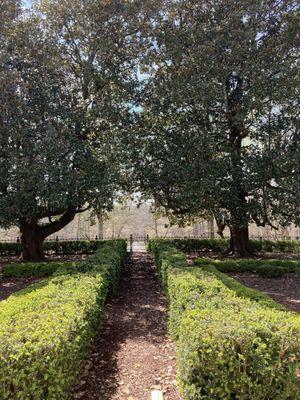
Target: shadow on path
132,353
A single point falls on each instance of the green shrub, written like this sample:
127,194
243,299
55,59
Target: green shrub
46,329
244,291
10,249
35,269
63,247
265,268
233,343
220,245
225,354
188,244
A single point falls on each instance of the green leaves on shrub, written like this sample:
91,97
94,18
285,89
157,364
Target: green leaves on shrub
264,268
246,353
219,245
46,329
35,269
65,247
233,343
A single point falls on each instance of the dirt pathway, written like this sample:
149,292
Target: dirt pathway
132,353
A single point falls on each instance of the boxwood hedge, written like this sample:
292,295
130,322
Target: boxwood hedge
27,269
231,343
55,247
218,245
265,268
46,329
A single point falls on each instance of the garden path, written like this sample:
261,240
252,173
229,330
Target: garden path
132,354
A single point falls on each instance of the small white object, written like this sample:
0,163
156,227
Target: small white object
157,395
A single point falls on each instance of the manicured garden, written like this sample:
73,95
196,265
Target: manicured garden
189,106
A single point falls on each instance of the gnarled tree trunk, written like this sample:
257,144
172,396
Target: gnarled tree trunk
32,241
239,241
33,234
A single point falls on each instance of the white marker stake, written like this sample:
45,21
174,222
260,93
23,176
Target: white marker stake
157,395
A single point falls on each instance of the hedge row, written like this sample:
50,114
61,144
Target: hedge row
265,268
55,247
46,329
229,347
218,245
28,269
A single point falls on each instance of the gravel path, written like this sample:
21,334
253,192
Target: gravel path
132,353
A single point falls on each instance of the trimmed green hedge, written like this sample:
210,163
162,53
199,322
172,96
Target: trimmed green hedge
219,245
232,344
46,329
35,269
55,247
264,268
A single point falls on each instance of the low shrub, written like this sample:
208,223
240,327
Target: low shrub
220,245
244,291
265,268
237,353
65,247
35,269
46,329
281,246
189,244
233,343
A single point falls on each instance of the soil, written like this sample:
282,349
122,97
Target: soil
285,290
9,286
132,353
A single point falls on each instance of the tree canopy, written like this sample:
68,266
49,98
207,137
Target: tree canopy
191,103
67,70
218,128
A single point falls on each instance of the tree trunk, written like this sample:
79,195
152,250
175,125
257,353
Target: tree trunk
33,234
32,241
100,226
239,241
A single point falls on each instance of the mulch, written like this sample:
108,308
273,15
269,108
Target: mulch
132,353
285,290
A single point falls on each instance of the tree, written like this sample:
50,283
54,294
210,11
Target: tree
68,65
218,127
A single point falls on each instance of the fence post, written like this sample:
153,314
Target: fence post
131,241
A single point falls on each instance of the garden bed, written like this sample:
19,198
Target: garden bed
12,284
284,290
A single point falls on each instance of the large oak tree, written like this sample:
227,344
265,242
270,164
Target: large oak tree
218,128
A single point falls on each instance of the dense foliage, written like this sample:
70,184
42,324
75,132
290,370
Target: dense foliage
36,269
220,245
67,75
46,329
230,341
266,268
219,133
61,247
